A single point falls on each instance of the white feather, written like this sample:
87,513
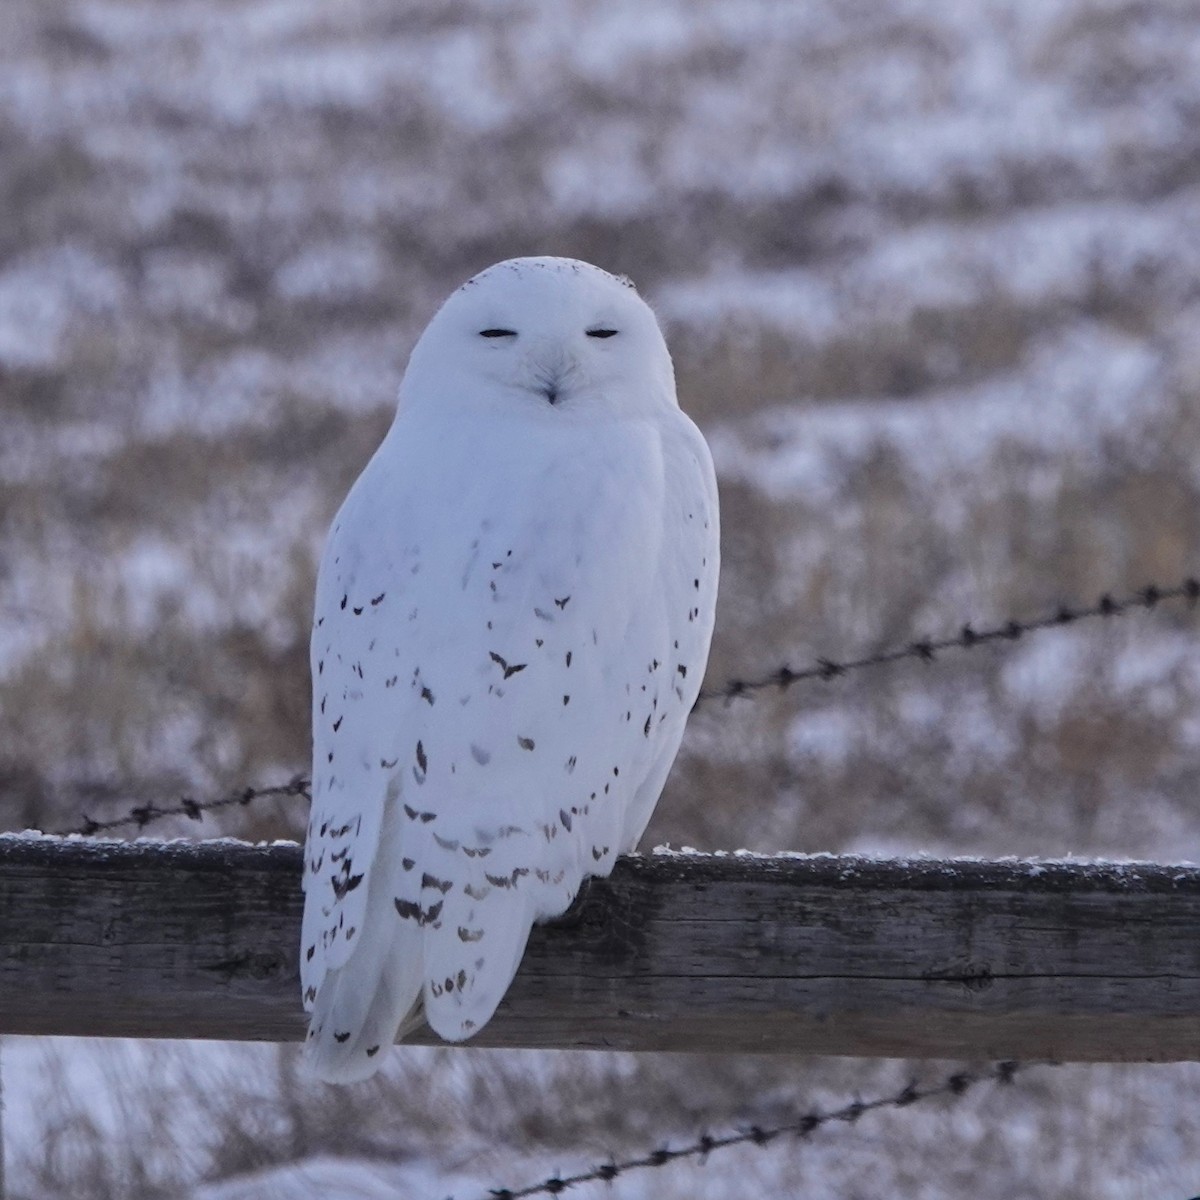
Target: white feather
512,621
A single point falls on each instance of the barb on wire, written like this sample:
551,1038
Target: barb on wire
967,638
956,1085
142,815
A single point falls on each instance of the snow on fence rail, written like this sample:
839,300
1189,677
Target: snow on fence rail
1062,961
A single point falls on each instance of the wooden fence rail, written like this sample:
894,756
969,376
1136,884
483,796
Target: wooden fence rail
821,955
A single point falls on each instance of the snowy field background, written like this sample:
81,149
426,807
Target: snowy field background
931,275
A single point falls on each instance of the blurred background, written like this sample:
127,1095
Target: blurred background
930,272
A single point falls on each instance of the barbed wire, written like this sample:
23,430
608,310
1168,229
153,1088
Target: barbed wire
142,815
782,678
967,638
956,1085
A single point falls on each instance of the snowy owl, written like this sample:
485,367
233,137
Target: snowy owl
513,616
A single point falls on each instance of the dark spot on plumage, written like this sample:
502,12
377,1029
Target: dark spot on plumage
571,764
696,584
377,600
646,727
372,1051
344,599
507,881
412,911
308,954
358,670
540,642
427,696
323,699
422,761
347,883
431,881
310,994
321,667
320,622
563,602
682,670
358,612
391,683
526,743
337,724
469,935
388,763
566,701
408,863
565,818
616,770
568,658
341,1037
329,757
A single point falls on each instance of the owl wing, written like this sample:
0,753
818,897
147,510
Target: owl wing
501,682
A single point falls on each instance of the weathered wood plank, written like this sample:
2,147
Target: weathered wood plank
728,953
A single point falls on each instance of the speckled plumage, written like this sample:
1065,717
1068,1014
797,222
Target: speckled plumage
512,620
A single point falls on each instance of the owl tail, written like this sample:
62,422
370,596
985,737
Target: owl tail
362,1006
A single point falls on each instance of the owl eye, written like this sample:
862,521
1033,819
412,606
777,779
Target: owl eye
602,333
497,333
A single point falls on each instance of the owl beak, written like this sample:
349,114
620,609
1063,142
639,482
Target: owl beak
553,369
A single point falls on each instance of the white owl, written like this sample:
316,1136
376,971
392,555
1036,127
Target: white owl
513,617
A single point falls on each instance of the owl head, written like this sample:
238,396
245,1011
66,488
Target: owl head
544,338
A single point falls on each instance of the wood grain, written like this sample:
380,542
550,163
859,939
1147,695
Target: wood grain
819,955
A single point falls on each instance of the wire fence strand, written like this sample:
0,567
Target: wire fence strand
968,638
926,650
141,815
803,1126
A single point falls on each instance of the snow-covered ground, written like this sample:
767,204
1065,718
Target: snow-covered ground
931,276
